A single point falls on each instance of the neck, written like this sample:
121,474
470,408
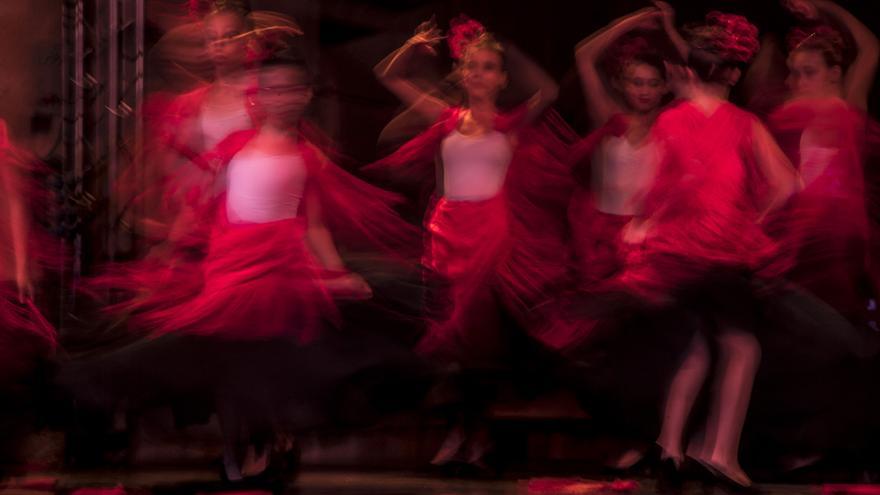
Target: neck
227,76
644,118
712,91
482,112
280,127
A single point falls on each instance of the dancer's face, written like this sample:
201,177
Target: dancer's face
482,74
284,93
225,39
810,76
643,87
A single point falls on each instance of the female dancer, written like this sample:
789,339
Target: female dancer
26,338
182,128
823,128
494,231
698,240
264,289
625,160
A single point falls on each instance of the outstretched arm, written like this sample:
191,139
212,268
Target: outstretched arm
322,246
600,103
391,72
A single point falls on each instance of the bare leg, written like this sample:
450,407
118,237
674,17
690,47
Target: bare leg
740,355
230,426
683,391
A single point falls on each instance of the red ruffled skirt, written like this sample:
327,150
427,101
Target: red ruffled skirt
467,248
25,336
596,236
258,281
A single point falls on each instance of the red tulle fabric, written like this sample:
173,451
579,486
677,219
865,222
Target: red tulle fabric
826,228
511,247
576,486
702,204
175,175
260,280
25,335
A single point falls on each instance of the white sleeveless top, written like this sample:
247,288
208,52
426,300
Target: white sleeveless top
622,175
264,188
474,167
814,157
218,123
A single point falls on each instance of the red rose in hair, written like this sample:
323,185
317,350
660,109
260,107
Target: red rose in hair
731,37
462,32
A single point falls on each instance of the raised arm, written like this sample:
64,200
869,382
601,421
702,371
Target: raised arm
600,103
776,168
860,75
392,73
543,88
668,19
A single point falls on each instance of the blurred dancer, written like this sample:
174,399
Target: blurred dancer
26,338
265,288
702,244
824,130
624,159
494,241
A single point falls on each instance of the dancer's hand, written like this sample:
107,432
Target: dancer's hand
427,35
349,286
667,13
681,79
635,232
804,9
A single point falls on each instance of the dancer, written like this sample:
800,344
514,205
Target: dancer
265,289
26,338
823,128
624,160
494,242
702,242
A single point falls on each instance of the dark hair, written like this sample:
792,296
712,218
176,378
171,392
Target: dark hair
710,67
722,43
202,8
288,62
823,39
636,50
650,59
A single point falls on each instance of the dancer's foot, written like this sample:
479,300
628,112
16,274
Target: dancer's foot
451,447
231,471
729,471
255,462
628,460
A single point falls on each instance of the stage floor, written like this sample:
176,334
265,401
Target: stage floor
180,482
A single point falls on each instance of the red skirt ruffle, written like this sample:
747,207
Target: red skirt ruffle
258,281
596,236
25,336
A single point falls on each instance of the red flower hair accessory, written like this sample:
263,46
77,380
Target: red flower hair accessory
463,32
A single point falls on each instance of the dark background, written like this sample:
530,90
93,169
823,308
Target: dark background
345,39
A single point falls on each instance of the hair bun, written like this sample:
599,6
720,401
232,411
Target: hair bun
731,37
463,31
